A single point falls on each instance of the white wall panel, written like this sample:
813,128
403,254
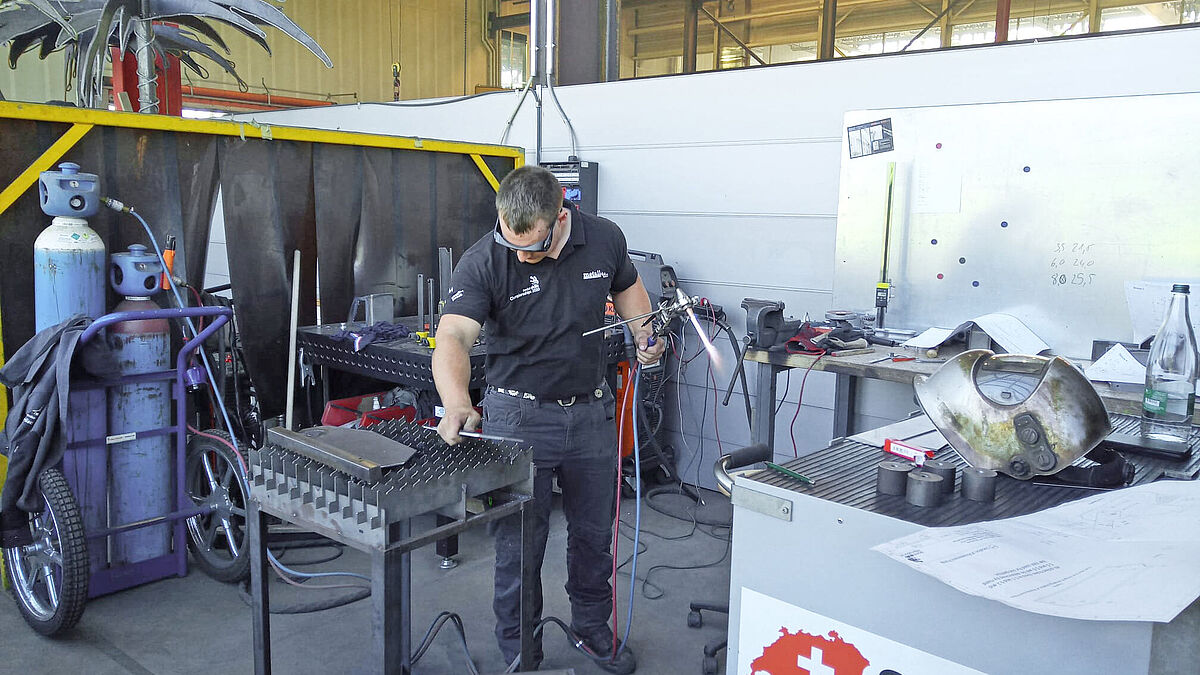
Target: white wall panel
732,175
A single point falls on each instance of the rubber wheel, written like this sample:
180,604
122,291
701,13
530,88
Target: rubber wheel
49,577
709,665
214,478
694,619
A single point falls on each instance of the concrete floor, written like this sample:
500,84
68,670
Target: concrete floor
196,625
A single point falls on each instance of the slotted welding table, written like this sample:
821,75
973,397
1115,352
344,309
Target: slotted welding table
810,546
472,483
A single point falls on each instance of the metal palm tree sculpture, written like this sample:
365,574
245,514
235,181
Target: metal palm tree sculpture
86,27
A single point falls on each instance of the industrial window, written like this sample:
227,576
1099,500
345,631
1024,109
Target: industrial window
514,52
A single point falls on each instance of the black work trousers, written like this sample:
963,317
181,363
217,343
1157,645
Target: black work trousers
578,444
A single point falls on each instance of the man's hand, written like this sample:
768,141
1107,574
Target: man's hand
455,420
648,353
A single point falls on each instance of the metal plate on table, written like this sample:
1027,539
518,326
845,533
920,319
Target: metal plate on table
358,452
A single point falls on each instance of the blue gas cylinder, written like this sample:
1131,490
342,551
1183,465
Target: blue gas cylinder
141,466
68,279
68,256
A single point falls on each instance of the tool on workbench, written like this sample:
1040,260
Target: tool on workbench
894,358
445,273
477,434
433,307
422,325
789,473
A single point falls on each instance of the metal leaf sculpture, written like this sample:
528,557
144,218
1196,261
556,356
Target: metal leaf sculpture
86,27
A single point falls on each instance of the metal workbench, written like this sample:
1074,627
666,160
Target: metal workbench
849,369
470,484
810,546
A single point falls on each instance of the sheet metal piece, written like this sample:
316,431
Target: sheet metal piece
358,452
1059,420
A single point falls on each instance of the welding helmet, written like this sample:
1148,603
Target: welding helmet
1021,415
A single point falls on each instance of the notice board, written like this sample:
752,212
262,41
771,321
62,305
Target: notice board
1045,210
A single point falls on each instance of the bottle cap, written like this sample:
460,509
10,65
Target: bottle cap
1180,288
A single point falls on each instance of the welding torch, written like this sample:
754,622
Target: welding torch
666,312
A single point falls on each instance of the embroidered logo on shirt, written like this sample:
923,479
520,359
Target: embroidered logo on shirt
595,274
534,287
456,296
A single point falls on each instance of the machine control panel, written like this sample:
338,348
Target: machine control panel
579,181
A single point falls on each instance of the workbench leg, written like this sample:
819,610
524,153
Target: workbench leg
763,430
528,583
324,387
845,390
447,548
256,529
390,610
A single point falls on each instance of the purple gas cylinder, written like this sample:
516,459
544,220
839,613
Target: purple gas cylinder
68,279
141,463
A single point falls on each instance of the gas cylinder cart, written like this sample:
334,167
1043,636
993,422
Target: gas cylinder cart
119,517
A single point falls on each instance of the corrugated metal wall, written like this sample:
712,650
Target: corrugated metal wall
362,37
356,35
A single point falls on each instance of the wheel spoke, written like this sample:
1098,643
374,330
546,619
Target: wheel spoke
227,477
208,472
237,511
233,547
209,535
193,525
51,588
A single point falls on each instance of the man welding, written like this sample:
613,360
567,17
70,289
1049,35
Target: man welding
538,281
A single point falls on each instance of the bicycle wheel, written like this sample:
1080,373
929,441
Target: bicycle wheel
214,478
50,576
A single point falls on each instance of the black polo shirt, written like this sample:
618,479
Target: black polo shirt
535,314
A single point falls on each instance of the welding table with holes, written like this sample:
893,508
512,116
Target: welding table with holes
810,546
472,483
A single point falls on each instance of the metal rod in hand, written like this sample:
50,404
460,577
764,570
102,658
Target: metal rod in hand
483,436
621,323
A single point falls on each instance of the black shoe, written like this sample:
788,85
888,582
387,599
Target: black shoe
600,645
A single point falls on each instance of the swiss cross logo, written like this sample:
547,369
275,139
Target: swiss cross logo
800,653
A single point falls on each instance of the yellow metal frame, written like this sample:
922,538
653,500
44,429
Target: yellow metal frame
50,113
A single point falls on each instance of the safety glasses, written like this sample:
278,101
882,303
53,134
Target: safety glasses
540,247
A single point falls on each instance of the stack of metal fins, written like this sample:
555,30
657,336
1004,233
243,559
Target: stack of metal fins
438,477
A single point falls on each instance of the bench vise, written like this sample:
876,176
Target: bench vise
766,326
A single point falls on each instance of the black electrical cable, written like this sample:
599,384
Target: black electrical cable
670,489
786,387
646,583
337,553
432,633
575,640
313,606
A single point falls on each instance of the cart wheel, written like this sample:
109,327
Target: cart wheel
694,619
50,576
214,477
709,665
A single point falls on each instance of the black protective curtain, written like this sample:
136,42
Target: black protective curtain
375,216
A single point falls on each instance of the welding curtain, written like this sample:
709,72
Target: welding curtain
374,216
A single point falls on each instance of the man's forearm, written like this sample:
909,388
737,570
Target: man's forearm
631,302
452,373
